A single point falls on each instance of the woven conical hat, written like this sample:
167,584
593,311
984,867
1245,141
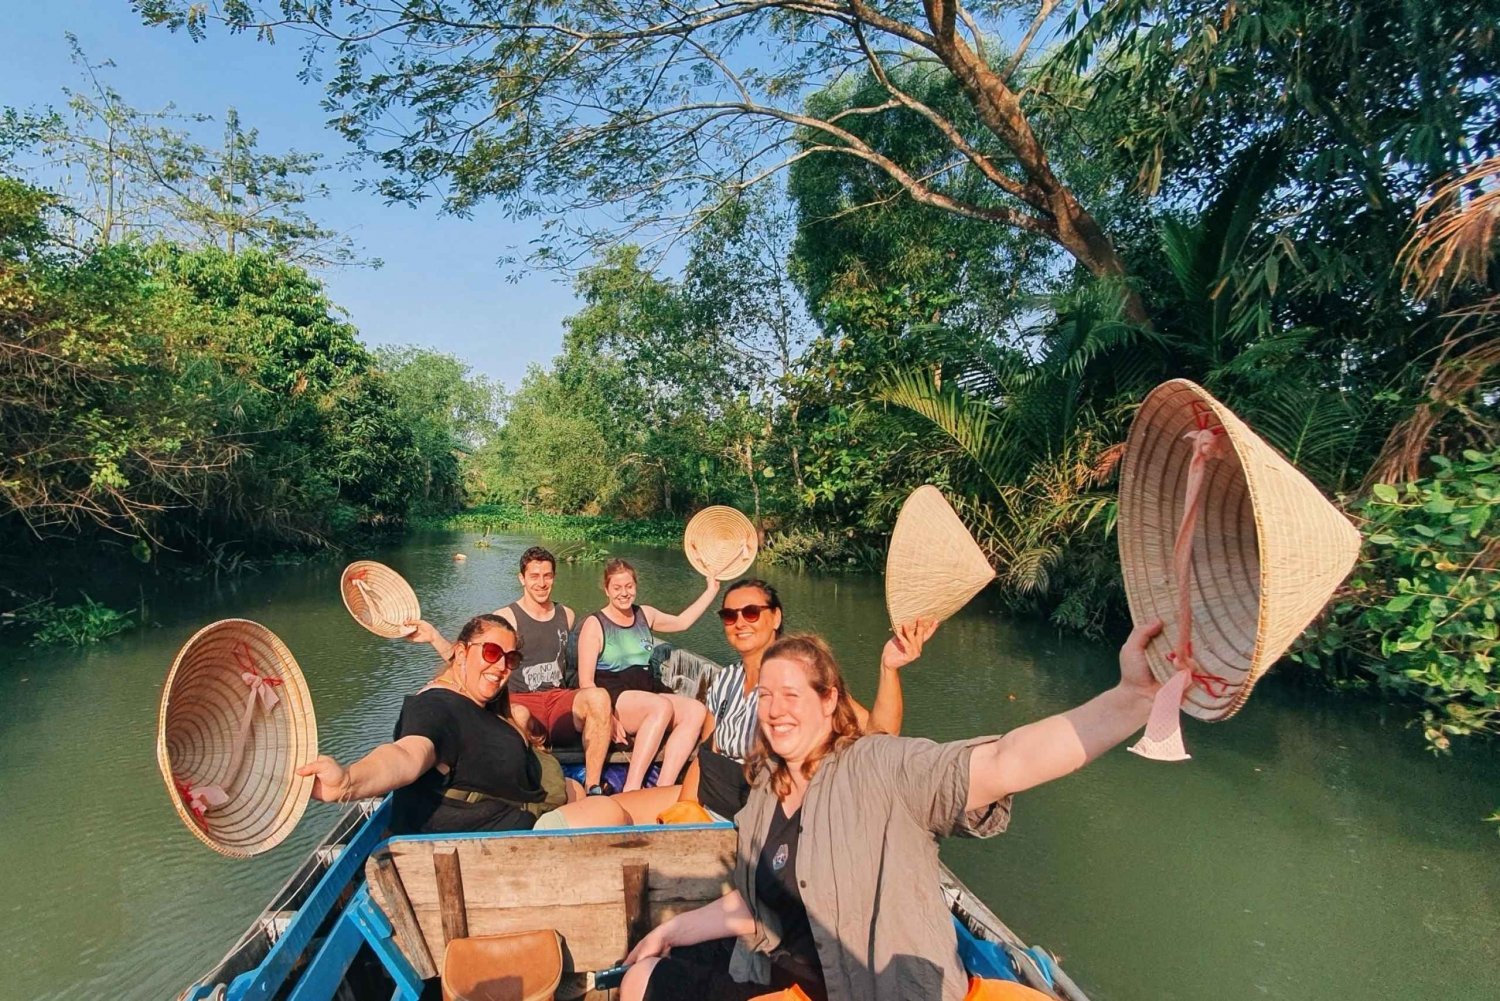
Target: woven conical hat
720,541
1268,552
203,707
379,598
934,566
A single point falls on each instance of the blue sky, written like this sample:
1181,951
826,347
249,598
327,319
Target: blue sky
441,285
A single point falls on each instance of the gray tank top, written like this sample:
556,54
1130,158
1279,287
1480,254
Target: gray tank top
544,650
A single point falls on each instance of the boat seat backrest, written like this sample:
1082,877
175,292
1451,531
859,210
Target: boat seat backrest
600,890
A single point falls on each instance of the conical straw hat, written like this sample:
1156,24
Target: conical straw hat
1268,550
720,541
235,682
379,598
934,566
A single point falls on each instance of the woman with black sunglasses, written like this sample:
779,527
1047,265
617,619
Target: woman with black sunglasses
752,613
458,761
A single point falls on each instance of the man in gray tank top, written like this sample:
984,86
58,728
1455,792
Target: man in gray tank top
565,715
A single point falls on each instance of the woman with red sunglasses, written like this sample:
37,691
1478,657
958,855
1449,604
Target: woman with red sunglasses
751,614
459,761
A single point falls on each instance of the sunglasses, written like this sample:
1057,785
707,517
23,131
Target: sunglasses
750,613
492,652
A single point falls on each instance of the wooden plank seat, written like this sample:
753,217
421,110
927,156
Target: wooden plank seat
600,889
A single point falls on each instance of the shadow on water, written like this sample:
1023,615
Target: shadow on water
1310,849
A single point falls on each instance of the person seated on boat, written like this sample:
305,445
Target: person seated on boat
564,716
614,653
836,881
752,617
459,762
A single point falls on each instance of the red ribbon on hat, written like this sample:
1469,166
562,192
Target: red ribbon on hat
1162,740
201,799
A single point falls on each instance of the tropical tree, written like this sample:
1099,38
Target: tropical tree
560,109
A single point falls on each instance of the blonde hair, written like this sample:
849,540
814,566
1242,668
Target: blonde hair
824,676
615,566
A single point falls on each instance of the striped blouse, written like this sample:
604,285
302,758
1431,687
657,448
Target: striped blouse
734,712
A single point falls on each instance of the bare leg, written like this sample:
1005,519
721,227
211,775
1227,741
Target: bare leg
591,711
687,722
647,716
594,811
644,805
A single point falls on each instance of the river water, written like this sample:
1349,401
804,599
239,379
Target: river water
1311,848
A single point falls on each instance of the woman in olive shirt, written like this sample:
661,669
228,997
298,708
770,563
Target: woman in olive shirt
836,881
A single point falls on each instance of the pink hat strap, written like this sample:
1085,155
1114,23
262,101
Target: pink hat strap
199,799
372,604
1162,740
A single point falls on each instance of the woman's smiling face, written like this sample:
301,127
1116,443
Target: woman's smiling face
484,680
620,589
744,636
794,718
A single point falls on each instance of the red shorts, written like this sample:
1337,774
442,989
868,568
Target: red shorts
552,710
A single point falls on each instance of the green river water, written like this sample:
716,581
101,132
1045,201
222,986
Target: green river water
1311,848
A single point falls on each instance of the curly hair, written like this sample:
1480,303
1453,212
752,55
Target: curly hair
824,675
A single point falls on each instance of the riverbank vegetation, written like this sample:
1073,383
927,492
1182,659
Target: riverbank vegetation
826,252
176,385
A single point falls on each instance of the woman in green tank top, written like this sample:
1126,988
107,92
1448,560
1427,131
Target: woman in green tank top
614,653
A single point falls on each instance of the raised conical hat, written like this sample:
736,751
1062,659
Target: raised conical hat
379,598
720,541
1269,549
934,566
236,721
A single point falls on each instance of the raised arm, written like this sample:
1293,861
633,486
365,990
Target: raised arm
424,632
901,649
590,645
389,766
1051,748
661,622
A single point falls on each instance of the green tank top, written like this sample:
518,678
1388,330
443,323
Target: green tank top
625,646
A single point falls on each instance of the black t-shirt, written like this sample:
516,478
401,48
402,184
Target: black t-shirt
795,960
721,782
483,753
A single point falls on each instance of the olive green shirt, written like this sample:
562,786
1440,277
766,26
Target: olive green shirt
867,868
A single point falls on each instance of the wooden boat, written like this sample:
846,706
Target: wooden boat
368,915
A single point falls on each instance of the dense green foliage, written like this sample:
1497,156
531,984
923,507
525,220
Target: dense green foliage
1421,613
489,518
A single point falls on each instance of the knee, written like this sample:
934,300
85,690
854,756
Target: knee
633,987
691,713
593,703
661,712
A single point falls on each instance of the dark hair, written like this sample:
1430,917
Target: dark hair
824,675
472,628
773,600
618,565
536,554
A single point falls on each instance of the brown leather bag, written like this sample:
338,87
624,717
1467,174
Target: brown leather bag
520,966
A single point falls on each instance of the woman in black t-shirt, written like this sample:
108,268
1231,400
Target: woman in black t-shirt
458,762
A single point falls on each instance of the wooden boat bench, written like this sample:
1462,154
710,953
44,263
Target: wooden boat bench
601,889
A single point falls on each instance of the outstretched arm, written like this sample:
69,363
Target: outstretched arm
1051,748
661,622
424,632
389,766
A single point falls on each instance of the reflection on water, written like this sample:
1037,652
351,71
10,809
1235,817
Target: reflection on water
1309,850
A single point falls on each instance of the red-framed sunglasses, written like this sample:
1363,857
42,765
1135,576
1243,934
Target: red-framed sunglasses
750,613
492,652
